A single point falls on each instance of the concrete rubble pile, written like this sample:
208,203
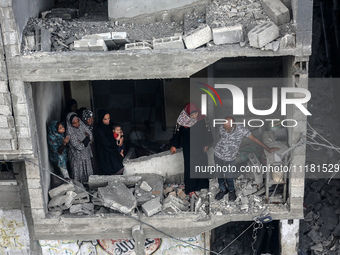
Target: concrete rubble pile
320,228
264,25
123,194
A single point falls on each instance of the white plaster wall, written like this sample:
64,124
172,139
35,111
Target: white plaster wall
129,9
24,9
47,98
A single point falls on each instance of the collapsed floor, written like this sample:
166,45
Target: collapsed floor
230,21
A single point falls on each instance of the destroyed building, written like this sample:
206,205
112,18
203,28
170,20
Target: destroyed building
138,63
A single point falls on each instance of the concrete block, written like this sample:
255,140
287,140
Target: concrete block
20,109
174,42
180,204
276,11
82,45
25,144
3,86
17,91
9,25
5,110
287,41
262,34
81,198
10,37
118,197
120,37
138,46
21,121
62,202
82,209
5,98
34,184
7,133
198,37
104,36
36,198
45,39
152,207
96,181
227,35
12,50
7,13
4,121
23,132
5,144
61,190
97,45
32,170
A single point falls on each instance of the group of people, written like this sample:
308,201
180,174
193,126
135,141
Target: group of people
77,145
191,123
86,147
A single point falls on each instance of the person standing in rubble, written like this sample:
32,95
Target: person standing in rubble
80,151
191,123
108,156
226,150
58,146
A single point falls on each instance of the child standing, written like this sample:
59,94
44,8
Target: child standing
119,136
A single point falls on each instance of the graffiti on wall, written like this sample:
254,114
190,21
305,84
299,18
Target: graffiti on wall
155,246
13,233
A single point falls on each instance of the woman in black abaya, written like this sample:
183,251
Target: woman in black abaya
109,159
191,123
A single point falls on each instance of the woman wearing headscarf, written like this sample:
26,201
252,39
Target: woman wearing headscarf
108,157
88,119
80,152
57,144
191,123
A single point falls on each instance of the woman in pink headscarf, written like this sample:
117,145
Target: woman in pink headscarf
192,131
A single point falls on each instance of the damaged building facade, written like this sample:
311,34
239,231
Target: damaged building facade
142,65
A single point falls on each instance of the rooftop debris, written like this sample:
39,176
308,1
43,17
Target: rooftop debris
222,23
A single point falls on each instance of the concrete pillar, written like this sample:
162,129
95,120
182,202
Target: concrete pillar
138,236
289,236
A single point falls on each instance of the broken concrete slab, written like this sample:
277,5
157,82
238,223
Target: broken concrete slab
118,197
152,207
173,42
82,209
96,181
138,46
263,34
61,190
120,37
198,37
155,181
228,35
276,11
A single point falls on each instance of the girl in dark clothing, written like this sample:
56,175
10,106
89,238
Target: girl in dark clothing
109,159
191,123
